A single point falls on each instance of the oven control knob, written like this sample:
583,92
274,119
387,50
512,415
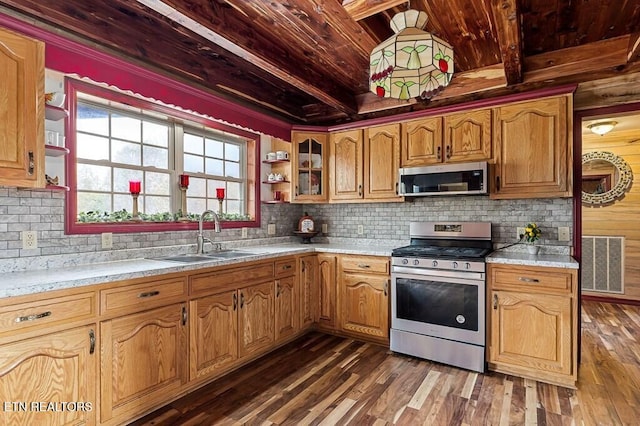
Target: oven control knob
405,261
416,262
455,264
435,263
467,265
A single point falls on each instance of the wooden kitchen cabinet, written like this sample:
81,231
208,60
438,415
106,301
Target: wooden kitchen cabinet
453,138
286,308
55,368
533,320
256,318
309,159
144,361
346,166
364,297
308,279
213,334
327,318
22,111
533,142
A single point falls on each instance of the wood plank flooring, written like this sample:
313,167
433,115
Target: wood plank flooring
326,380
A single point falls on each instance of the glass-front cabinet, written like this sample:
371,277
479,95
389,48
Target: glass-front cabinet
309,167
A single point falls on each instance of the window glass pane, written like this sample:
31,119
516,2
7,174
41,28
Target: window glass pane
94,178
91,202
231,169
193,164
213,184
232,152
93,120
214,148
196,205
125,153
155,157
121,178
193,144
233,190
123,127
92,147
214,167
156,205
125,202
155,134
156,183
233,206
196,188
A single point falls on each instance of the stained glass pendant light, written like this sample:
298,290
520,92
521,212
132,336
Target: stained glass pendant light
411,63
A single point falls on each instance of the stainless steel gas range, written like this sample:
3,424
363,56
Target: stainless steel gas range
438,293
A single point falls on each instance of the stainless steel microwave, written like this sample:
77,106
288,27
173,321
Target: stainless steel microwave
448,179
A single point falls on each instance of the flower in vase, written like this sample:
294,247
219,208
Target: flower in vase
531,233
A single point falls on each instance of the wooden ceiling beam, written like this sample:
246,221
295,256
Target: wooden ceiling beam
507,21
361,9
634,48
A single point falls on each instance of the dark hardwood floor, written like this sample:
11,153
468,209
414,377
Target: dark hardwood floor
326,380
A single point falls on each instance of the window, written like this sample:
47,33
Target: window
115,139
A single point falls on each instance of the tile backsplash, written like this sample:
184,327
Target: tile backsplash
43,212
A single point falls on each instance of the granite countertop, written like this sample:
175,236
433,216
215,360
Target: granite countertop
62,276
519,258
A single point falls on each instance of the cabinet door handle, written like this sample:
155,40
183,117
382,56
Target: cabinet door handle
497,183
448,152
184,315
304,266
386,287
360,190
33,317
277,288
235,301
148,294
396,188
241,300
285,267
297,191
495,302
92,342
439,155
529,280
32,163
364,266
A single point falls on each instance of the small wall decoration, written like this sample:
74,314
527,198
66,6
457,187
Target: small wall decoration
608,188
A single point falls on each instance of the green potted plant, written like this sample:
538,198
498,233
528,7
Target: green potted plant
530,236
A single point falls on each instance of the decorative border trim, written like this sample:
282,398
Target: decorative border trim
619,189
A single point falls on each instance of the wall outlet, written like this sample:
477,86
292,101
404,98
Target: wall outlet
520,231
29,240
107,240
563,233
245,231
325,228
271,229
360,229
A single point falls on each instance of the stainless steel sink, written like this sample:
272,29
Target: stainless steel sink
185,258
228,254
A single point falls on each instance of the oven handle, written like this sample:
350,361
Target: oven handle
453,276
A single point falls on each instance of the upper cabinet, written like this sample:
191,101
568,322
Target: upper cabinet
309,169
22,109
533,142
460,137
364,164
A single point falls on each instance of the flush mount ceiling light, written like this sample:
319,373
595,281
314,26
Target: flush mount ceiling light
411,63
602,127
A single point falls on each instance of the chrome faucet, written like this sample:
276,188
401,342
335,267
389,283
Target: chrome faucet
201,238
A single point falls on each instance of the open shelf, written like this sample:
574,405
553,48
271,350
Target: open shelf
54,113
275,202
271,182
275,161
55,151
57,188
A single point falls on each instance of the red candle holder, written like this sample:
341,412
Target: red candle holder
220,197
134,186
134,189
184,184
184,181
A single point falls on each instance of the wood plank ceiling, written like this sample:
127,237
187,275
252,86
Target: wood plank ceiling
306,61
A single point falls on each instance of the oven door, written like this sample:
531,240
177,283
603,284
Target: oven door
444,304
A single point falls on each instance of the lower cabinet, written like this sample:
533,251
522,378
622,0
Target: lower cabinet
327,318
54,378
533,320
256,318
214,334
286,309
364,284
308,277
144,360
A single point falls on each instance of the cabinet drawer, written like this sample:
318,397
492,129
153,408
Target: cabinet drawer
142,296
47,312
285,268
531,279
377,265
226,279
